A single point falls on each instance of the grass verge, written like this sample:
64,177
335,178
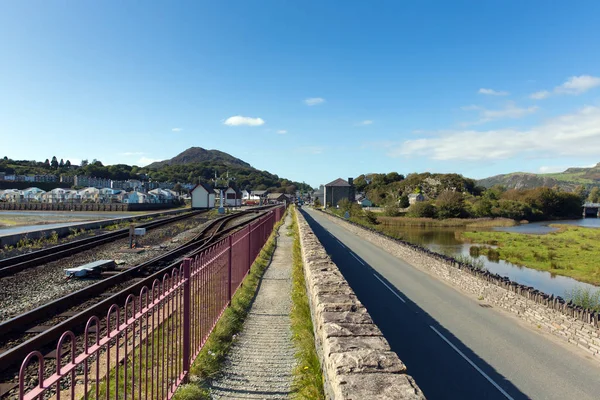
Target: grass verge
208,363
308,377
571,251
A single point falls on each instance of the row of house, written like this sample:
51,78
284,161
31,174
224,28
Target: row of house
90,181
87,195
204,196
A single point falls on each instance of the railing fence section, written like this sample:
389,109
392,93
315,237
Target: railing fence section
144,350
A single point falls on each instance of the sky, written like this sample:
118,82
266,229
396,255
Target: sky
308,90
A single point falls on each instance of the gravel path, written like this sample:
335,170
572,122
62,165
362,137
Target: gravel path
260,363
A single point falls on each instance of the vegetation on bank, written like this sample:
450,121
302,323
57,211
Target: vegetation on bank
308,377
571,251
447,223
208,363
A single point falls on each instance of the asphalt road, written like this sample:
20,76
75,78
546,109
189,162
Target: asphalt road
453,345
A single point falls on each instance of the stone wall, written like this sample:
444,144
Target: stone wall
552,314
356,359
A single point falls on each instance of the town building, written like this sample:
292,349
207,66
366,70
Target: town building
338,190
203,196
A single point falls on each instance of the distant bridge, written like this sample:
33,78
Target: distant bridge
591,210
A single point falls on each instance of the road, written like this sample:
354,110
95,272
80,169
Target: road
453,345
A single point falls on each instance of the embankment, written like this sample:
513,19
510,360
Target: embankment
356,359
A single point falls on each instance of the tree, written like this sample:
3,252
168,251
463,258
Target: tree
54,162
403,203
423,209
450,204
84,163
47,163
177,188
594,196
68,164
61,163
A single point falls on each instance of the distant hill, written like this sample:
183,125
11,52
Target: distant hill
567,180
195,155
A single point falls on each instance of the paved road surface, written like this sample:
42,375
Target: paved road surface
452,346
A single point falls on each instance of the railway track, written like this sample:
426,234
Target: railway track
31,323
13,265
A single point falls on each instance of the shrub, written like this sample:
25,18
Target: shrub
422,209
584,297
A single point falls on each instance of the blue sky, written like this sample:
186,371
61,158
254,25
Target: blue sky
309,90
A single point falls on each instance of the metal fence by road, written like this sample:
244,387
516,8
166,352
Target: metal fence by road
144,349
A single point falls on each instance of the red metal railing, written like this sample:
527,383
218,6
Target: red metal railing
144,350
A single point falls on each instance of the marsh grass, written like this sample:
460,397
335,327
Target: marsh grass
571,251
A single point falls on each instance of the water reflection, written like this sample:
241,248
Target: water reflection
446,241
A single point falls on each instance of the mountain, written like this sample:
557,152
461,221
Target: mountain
566,180
195,155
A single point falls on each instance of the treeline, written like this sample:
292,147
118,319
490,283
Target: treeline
454,196
243,177
537,204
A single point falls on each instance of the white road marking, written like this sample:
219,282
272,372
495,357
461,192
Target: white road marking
490,380
357,259
391,290
340,242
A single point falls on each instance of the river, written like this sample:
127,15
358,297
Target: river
445,241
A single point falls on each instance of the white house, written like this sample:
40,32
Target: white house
203,196
32,194
232,198
415,198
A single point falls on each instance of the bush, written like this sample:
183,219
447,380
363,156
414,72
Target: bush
371,217
391,211
450,204
403,202
422,209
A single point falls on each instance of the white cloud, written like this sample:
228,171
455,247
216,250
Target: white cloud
131,153
576,134
551,169
238,120
510,111
574,85
542,94
493,92
176,129
578,84
146,160
313,101
282,131
365,122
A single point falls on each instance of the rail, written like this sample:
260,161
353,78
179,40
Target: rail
12,265
147,346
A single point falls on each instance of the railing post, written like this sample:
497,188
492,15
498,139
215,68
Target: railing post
249,247
229,268
187,337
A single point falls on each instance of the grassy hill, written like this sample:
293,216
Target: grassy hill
567,180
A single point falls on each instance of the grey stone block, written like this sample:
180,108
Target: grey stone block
352,343
376,386
366,361
331,330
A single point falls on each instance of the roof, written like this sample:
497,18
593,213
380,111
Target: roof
205,186
258,192
338,182
275,195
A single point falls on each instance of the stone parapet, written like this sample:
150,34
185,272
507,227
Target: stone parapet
356,359
552,314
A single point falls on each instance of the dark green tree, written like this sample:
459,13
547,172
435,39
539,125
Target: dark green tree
54,162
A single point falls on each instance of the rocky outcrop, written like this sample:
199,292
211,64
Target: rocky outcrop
356,359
